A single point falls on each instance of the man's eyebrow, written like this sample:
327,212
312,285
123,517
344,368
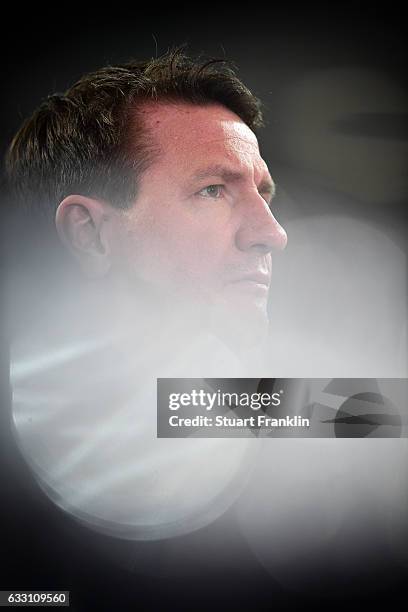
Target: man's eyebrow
218,170
226,174
267,186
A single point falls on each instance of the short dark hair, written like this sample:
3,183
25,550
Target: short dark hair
90,140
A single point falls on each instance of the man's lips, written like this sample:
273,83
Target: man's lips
258,279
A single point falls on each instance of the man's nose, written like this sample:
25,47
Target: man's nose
259,230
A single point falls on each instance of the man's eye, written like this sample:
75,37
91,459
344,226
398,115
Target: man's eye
212,191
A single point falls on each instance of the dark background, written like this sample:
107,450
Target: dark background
274,46
44,50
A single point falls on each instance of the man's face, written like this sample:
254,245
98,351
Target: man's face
201,227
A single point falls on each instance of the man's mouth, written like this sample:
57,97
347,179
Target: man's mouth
256,281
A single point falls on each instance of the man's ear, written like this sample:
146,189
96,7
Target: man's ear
81,225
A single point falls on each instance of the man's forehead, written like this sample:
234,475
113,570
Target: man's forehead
178,122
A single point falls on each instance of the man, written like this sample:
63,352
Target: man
153,174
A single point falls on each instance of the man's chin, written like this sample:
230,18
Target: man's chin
241,323
237,316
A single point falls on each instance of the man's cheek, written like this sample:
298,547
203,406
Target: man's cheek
179,254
